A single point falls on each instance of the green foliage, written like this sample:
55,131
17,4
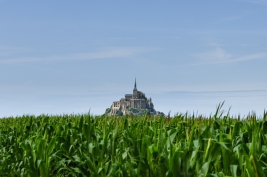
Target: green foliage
142,112
135,111
119,113
108,110
85,145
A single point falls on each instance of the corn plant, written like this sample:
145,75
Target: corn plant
84,145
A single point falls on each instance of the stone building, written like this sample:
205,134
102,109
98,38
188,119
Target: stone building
137,100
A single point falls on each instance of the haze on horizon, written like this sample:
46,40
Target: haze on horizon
71,57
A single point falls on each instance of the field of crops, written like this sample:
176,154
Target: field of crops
84,145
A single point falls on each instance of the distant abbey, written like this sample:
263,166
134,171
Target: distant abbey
136,103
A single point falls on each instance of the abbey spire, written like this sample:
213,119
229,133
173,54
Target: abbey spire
135,88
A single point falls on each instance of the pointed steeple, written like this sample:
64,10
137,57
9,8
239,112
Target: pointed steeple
135,89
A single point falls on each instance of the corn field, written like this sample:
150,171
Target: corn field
85,145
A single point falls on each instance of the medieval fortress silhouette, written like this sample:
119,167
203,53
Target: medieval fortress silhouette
137,100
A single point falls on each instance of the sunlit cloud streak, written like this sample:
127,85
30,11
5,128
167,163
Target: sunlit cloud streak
101,54
255,1
219,55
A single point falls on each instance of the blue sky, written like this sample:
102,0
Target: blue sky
68,57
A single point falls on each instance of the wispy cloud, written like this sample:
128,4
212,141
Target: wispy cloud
264,2
214,44
107,53
8,51
234,18
219,55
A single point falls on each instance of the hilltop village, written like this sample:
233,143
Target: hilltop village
136,104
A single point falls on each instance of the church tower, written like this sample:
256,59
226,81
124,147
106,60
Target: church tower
135,90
